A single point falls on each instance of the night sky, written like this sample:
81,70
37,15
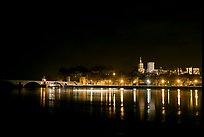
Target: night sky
37,41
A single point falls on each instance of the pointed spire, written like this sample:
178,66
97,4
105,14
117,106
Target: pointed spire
140,60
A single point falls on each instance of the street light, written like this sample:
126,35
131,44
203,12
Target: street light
178,81
195,81
162,81
114,77
121,81
109,82
148,81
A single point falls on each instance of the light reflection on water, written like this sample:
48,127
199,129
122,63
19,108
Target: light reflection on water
142,104
110,110
102,110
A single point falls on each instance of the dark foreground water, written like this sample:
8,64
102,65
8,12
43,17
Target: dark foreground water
97,111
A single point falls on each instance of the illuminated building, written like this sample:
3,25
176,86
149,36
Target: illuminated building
192,70
150,67
82,80
141,67
196,71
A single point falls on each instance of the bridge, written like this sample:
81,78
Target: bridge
45,83
40,83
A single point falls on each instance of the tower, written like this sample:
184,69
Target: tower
150,67
141,67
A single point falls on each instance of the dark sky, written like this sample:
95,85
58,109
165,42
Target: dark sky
37,41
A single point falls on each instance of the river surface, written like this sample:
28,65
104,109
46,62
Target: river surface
100,111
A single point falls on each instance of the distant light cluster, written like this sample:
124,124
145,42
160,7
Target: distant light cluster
178,71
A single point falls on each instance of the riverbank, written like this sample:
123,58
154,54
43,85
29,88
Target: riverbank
131,87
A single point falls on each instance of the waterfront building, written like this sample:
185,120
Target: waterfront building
141,67
192,71
162,71
82,80
196,71
150,67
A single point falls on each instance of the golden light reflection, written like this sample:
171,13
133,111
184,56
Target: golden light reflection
191,99
144,104
134,99
134,96
114,107
179,115
148,103
113,99
76,95
179,105
109,97
122,112
121,97
163,105
51,97
196,97
163,99
106,98
42,97
168,95
101,97
84,96
121,108
148,95
91,97
163,113
178,97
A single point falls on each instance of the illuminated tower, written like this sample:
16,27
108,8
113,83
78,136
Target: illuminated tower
141,67
150,67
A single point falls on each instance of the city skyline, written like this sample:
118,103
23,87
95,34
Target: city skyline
101,68
37,43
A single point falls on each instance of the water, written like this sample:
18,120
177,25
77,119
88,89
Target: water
101,111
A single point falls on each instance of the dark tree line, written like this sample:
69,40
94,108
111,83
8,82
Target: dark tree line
79,71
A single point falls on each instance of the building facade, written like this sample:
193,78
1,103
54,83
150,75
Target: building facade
141,67
150,67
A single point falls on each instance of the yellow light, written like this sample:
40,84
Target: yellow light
179,97
178,80
195,80
114,74
121,81
163,81
163,97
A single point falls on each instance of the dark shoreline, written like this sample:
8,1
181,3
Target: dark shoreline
132,87
8,85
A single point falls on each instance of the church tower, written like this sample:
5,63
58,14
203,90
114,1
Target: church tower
141,67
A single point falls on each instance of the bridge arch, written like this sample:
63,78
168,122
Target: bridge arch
58,83
32,84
